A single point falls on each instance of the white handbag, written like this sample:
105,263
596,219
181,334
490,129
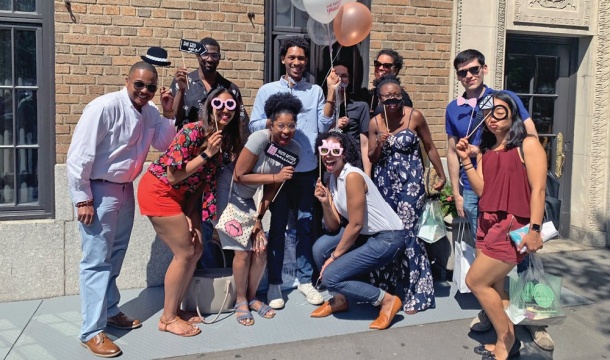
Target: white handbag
235,222
464,257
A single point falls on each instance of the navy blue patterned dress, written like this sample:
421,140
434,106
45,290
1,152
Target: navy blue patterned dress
399,176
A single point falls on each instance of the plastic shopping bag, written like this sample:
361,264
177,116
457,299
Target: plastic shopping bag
534,296
431,224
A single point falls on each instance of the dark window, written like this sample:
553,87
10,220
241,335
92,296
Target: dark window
287,20
27,141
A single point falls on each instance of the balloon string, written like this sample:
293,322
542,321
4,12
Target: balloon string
330,45
328,72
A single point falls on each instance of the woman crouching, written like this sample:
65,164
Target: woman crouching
351,194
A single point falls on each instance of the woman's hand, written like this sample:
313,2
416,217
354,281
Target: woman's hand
284,174
181,78
463,149
259,240
326,263
214,142
439,184
382,137
322,193
533,241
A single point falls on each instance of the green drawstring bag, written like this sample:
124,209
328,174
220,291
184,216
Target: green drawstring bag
534,296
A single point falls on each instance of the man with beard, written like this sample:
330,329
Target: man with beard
298,192
201,82
108,150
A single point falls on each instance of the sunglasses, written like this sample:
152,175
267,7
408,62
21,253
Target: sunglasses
139,85
386,66
473,70
333,150
218,103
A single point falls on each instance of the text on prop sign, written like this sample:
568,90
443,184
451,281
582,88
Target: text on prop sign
281,155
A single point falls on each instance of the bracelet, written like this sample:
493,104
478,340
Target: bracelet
463,164
468,168
331,101
84,203
260,216
332,256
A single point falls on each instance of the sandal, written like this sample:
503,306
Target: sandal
194,329
265,311
514,351
246,319
189,316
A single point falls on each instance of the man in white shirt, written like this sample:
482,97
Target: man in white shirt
108,149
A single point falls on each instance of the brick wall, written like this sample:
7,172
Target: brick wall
98,40
420,30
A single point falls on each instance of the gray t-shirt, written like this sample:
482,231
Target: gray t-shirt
256,144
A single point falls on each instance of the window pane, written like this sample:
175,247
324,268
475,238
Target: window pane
526,102
300,18
519,73
26,117
543,113
27,166
25,56
5,57
6,119
283,13
5,5
7,183
546,77
25,5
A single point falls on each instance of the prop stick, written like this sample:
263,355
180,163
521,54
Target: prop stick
164,73
184,66
215,121
337,108
278,191
320,166
479,125
385,117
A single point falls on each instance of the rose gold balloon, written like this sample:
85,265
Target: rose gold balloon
353,23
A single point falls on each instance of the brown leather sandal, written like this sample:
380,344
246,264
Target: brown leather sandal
194,329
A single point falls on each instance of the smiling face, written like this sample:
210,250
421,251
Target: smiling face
390,95
470,81
499,122
209,61
140,97
283,128
223,115
386,66
295,62
330,148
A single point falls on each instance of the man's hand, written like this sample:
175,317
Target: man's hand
459,204
167,100
342,122
85,214
332,81
181,78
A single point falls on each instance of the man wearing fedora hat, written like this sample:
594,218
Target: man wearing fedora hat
201,82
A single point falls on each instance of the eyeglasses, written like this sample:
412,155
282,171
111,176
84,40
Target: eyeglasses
218,103
282,127
333,150
139,85
384,97
499,112
207,55
473,70
386,66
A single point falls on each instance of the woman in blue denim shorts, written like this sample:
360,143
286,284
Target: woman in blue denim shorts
352,195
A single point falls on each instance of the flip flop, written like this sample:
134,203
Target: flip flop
488,354
246,314
263,310
194,329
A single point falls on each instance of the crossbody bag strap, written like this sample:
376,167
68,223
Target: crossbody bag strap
224,302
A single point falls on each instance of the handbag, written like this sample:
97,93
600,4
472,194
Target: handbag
235,222
464,257
211,291
431,224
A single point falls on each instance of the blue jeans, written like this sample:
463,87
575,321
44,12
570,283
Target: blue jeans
296,193
325,245
342,275
104,244
471,208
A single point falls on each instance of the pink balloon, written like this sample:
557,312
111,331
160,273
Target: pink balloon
353,23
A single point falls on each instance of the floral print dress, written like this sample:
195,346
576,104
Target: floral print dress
399,176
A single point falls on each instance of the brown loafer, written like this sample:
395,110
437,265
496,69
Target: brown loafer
101,345
326,309
122,321
384,321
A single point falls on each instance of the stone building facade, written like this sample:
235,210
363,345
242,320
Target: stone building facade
83,48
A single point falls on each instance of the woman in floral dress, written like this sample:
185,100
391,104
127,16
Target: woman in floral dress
394,150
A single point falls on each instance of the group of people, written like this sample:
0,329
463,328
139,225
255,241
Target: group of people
214,154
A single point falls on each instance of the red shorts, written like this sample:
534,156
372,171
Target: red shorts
493,239
157,198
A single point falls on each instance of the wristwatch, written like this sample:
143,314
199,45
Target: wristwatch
204,156
535,227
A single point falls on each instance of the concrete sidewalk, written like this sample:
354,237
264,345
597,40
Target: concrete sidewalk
48,329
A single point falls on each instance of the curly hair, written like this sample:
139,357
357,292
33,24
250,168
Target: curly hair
282,103
517,131
396,57
231,135
351,152
386,79
292,41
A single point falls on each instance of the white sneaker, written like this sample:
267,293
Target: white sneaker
274,296
313,296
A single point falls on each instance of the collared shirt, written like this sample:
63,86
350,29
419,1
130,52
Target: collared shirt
196,94
310,121
358,115
462,120
111,142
